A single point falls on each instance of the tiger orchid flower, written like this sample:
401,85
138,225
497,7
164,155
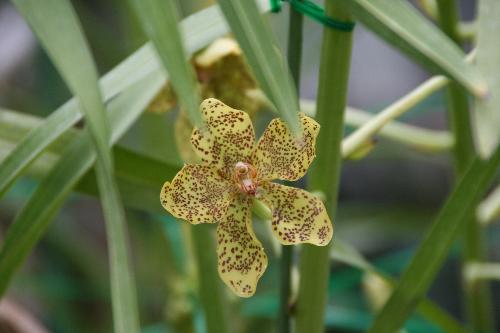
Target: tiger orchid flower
235,170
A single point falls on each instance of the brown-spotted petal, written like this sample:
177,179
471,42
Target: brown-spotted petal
228,137
241,258
197,194
280,155
297,215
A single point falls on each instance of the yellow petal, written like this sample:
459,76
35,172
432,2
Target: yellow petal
197,194
297,215
279,155
228,138
241,258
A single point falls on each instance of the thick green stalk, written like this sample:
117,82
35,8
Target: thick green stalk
477,295
294,56
325,172
210,291
448,18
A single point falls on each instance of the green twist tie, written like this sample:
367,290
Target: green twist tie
315,12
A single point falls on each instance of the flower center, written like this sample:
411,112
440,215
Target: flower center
245,177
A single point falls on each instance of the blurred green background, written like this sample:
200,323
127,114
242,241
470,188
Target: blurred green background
387,200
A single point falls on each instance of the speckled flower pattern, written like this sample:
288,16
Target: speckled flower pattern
234,171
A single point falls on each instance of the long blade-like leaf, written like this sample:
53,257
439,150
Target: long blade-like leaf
128,164
432,252
77,159
487,111
402,26
347,254
160,22
137,175
57,27
198,30
261,52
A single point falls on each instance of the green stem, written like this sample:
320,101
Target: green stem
294,57
424,139
210,291
477,295
325,172
458,114
448,18
356,140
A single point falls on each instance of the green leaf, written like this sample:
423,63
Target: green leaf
324,174
209,285
139,179
347,254
402,26
57,27
160,22
129,165
29,148
75,161
199,30
126,73
433,250
137,175
487,111
257,42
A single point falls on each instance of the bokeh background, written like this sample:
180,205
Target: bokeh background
387,200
